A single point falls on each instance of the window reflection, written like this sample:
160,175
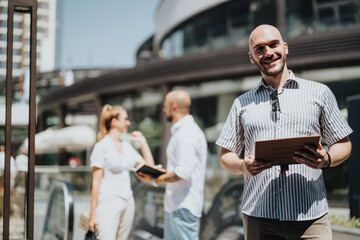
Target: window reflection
230,23
299,15
347,15
264,12
239,18
218,28
326,16
336,14
200,32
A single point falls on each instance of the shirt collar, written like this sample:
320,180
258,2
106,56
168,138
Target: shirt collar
291,78
183,121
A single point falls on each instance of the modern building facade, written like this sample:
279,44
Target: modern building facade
201,46
46,38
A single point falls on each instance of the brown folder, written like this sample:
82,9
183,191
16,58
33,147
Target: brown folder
281,151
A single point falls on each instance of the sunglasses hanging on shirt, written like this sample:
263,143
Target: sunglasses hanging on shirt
275,106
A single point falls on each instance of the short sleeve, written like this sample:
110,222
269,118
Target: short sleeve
232,134
334,127
97,155
186,155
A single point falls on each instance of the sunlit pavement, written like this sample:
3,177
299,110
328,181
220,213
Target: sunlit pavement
345,236
341,233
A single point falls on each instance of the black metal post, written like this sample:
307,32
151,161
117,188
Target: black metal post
21,6
353,105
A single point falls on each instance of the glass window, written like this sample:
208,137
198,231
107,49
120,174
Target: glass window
348,14
17,38
188,38
166,48
200,31
239,22
263,12
16,52
299,15
205,111
332,14
178,40
218,22
17,25
327,16
219,30
239,14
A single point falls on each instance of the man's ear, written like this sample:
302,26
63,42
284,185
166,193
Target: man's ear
286,48
174,107
251,58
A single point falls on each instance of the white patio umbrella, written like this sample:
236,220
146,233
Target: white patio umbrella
73,138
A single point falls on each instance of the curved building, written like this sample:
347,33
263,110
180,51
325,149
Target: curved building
201,46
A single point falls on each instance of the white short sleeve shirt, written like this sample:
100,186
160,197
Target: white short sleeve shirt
116,166
186,156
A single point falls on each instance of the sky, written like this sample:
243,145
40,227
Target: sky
104,33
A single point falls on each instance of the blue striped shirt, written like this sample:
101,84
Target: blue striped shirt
307,108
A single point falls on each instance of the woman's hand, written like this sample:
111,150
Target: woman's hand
138,137
93,223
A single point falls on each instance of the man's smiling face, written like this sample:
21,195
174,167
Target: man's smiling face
267,50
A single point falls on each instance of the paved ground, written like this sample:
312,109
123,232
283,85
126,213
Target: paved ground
40,210
344,236
340,233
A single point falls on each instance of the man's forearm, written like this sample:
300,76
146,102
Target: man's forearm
231,162
167,178
340,151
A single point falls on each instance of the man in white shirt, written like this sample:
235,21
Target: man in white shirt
186,164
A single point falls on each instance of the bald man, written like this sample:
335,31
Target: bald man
287,201
186,163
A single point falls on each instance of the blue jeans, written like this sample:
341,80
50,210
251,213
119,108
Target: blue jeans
181,225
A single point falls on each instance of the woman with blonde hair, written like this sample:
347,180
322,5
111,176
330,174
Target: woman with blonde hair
112,203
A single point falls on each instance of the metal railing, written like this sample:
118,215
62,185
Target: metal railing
222,221
59,220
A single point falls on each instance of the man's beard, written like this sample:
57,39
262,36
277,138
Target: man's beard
267,73
169,118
